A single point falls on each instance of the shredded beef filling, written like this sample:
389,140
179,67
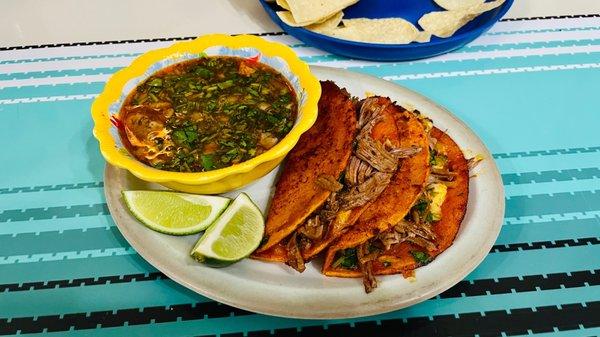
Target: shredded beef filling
313,228
405,152
474,161
365,262
374,153
365,192
331,208
329,183
369,109
294,257
357,171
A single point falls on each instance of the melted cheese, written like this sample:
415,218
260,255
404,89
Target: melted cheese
437,192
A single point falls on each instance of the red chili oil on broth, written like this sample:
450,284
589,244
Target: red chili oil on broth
207,113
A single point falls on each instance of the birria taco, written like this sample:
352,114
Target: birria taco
427,229
324,150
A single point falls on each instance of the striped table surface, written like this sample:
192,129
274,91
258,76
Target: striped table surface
530,88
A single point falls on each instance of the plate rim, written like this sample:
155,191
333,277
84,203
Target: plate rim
382,307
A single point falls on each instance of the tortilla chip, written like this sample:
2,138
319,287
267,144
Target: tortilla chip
328,24
306,12
391,31
488,6
446,23
399,258
395,201
288,19
454,4
385,129
283,4
324,149
423,37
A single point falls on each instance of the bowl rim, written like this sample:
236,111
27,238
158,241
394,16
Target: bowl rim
113,89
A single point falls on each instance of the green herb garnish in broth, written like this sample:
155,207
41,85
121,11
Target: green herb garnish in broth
207,113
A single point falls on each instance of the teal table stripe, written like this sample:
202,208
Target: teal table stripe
97,298
49,242
51,90
533,262
52,198
533,101
69,58
549,231
51,225
572,333
557,187
57,73
74,268
549,162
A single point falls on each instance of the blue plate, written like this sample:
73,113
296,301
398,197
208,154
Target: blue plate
410,10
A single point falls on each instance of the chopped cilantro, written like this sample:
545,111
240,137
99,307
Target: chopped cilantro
272,119
179,136
432,155
421,205
188,135
225,85
232,152
207,162
203,72
227,143
422,258
191,135
211,106
155,82
347,259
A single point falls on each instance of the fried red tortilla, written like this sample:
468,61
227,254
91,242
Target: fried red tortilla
323,150
400,257
384,130
395,201
277,253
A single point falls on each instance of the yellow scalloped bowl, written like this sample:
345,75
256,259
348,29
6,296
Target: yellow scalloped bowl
281,57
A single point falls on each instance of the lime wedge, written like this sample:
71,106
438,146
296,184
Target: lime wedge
174,213
233,236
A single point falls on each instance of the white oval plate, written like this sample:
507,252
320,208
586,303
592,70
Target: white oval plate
276,289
